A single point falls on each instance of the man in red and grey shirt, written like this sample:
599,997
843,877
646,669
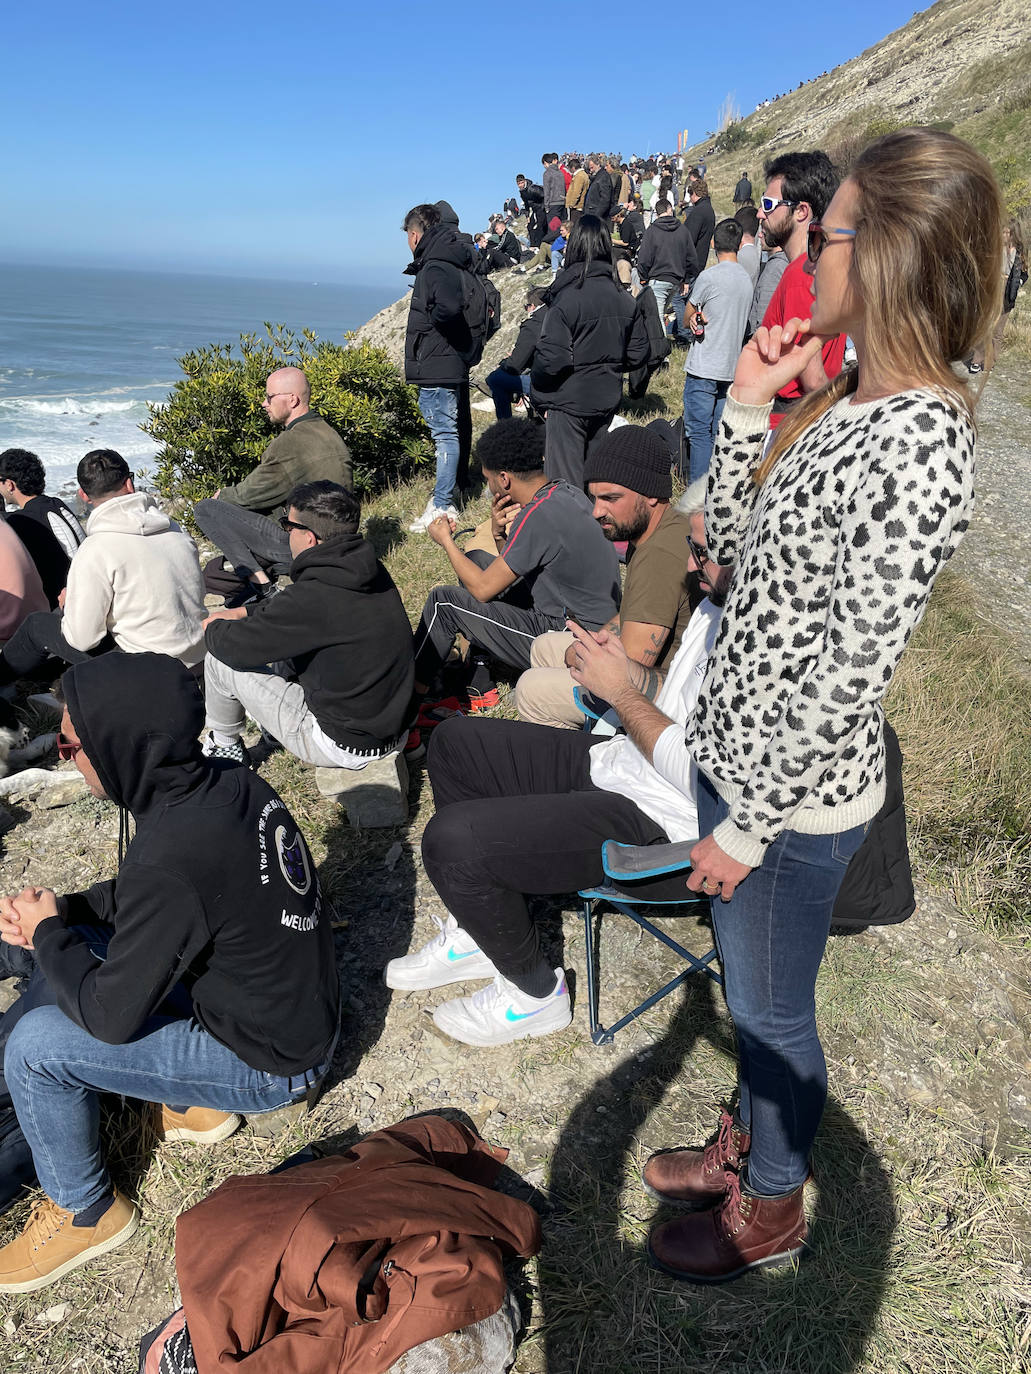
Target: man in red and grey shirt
799,187
553,563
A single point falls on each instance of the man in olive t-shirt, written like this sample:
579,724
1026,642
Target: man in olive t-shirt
629,479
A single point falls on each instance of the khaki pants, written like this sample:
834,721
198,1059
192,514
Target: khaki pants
544,693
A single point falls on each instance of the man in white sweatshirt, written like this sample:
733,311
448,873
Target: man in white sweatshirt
134,584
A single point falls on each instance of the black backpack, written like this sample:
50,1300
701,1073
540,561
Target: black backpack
481,308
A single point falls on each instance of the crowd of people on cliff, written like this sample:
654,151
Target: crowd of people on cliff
739,639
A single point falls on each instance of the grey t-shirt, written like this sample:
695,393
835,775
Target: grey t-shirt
723,294
769,280
748,257
570,569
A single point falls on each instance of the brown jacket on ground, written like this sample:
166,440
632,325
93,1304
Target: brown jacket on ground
345,1263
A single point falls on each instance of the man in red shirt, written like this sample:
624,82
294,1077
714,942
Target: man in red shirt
799,187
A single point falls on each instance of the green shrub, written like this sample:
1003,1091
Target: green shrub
212,429
734,136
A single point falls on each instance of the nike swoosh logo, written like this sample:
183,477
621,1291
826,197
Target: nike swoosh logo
511,1015
453,956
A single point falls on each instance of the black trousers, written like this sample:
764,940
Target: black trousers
567,441
37,639
249,541
517,813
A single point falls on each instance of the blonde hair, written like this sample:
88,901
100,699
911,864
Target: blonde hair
925,261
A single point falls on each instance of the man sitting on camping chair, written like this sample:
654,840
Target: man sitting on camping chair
526,808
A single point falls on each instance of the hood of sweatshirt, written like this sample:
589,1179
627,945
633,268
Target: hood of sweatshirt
149,753
669,224
136,513
348,562
442,243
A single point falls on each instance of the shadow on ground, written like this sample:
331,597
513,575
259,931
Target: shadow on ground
605,1310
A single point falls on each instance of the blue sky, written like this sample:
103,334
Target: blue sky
270,140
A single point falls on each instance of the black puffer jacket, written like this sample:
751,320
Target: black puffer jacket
600,200
667,252
438,340
592,333
343,625
521,356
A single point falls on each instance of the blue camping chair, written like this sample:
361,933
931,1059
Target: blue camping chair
638,875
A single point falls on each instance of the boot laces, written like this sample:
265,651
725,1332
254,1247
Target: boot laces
732,1215
45,1221
722,1149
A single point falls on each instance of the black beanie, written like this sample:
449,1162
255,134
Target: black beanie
632,457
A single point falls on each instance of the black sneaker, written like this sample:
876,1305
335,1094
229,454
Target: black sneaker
237,752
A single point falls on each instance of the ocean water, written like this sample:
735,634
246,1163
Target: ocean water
82,351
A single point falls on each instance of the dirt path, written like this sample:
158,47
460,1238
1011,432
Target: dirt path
995,557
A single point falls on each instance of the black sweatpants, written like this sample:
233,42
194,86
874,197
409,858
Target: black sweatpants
517,813
37,639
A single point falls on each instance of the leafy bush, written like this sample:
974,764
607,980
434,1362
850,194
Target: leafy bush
213,430
734,136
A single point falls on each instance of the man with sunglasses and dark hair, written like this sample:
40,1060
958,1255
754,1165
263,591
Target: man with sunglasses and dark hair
326,666
799,187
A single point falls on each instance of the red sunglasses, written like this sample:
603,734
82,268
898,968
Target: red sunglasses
67,748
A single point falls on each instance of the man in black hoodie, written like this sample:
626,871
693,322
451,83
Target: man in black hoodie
202,976
666,257
342,628
439,344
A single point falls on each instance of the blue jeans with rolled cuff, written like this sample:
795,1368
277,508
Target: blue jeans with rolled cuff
771,937
56,1072
439,407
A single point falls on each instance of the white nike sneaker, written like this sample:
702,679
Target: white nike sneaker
500,1013
451,956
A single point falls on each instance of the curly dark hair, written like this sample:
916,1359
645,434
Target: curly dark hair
515,446
24,469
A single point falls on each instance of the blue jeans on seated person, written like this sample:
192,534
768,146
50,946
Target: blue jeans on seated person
771,936
56,1072
439,407
506,387
704,400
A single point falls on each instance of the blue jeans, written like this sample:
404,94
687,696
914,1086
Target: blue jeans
505,387
439,406
661,290
704,400
56,1072
771,936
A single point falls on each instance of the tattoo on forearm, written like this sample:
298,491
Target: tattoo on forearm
647,681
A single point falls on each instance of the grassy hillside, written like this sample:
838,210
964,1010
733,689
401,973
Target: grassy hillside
963,65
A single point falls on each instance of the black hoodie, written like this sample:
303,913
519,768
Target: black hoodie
343,625
667,252
217,889
438,341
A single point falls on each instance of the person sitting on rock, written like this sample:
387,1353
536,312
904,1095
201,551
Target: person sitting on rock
339,631
510,380
135,584
524,809
547,541
244,520
202,977
629,480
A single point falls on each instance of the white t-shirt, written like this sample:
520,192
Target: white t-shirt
665,789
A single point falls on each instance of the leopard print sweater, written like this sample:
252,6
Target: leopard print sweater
837,553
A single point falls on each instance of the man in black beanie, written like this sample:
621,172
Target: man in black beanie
628,477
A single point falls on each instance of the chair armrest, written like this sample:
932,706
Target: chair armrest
627,862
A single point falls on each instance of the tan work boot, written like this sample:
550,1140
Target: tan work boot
203,1125
50,1246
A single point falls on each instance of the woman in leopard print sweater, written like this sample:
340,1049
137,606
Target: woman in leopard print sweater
839,532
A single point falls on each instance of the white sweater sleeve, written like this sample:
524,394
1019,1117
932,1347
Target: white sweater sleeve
87,603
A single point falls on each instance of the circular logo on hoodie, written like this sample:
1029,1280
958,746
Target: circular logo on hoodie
293,860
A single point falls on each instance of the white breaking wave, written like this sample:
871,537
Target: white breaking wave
70,405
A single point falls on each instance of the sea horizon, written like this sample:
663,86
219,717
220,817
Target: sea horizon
83,350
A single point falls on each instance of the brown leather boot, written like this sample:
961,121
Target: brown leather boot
697,1178
742,1232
